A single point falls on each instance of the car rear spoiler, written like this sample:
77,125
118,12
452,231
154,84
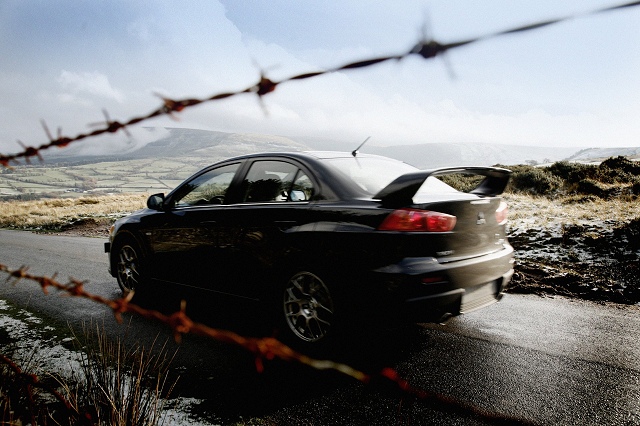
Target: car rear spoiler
401,191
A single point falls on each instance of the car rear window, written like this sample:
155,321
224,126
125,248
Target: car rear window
369,173
372,174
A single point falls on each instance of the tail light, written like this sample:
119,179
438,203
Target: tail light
435,279
414,220
501,213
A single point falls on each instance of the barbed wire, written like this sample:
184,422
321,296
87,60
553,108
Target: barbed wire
266,348
263,348
28,381
427,49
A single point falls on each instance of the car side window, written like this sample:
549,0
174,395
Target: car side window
208,188
302,189
275,181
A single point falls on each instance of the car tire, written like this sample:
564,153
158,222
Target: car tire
307,309
128,265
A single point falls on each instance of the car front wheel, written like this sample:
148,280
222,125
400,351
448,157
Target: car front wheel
308,307
128,266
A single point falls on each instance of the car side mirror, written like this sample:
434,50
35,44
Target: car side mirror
156,202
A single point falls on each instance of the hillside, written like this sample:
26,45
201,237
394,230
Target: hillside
176,153
599,154
178,143
193,143
205,143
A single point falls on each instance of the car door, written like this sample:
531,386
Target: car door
187,240
267,223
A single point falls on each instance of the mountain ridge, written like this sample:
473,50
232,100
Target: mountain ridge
214,145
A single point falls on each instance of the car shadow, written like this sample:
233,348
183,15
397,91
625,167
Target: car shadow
225,380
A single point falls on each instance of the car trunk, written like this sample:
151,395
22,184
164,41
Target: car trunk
476,231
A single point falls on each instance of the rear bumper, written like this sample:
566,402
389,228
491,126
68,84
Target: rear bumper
439,307
426,290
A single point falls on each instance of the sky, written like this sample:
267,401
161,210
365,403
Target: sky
570,84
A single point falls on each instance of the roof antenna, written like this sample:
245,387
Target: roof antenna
355,151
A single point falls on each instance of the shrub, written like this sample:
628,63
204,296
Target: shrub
461,182
591,187
572,172
623,164
534,180
618,170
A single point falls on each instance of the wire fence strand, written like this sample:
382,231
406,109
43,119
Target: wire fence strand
263,348
266,348
427,49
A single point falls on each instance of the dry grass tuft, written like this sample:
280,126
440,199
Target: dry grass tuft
120,385
51,213
110,384
528,211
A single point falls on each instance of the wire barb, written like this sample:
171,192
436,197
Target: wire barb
427,48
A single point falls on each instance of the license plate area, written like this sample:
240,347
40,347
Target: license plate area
479,296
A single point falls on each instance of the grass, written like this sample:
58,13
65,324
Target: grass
147,175
54,213
105,383
532,211
117,384
525,210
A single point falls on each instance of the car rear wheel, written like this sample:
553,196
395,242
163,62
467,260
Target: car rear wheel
128,266
308,308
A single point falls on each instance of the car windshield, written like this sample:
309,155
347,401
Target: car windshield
372,174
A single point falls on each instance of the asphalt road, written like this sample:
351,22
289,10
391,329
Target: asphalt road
544,360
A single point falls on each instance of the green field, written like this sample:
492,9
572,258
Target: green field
157,175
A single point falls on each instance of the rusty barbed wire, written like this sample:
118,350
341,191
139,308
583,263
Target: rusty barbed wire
427,49
28,381
263,348
267,348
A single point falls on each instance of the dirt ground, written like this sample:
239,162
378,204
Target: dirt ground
599,262
87,228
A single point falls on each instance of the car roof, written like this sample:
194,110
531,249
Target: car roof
319,155
343,154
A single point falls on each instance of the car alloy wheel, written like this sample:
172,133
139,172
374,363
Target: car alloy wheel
308,307
128,268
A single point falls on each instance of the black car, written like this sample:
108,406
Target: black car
322,239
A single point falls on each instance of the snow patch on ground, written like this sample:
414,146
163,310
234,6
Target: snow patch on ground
37,348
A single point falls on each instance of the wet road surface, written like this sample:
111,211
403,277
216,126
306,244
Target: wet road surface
544,360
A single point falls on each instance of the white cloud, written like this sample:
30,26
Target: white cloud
572,84
88,83
68,98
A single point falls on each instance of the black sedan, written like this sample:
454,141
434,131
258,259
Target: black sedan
322,240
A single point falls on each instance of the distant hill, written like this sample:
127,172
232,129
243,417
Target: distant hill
171,155
205,143
599,154
209,146
430,155
456,154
